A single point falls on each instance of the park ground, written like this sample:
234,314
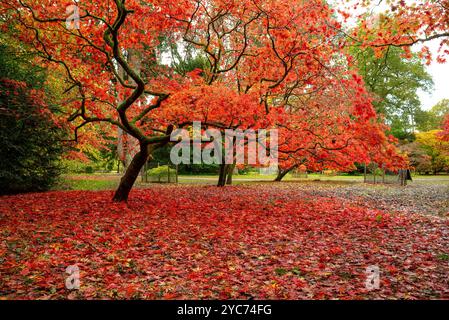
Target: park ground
298,239
425,195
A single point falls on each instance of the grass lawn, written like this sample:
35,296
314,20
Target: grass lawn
254,177
110,181
87,183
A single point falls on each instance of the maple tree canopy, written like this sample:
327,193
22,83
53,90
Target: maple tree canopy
403,24
263,65
445,133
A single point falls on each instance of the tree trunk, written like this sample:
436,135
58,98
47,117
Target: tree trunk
131,174
283,173
231,169
223,175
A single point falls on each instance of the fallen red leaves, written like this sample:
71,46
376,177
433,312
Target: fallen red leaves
264,241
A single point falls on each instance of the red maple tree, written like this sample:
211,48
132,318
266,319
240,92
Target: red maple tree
120,67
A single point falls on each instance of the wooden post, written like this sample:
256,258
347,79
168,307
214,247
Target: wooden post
168,173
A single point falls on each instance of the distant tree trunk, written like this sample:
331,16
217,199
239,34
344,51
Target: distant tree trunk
131,174
283,173
403,177
409,175
231,169
223,175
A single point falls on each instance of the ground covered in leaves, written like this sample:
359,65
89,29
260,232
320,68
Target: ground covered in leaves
268,241
421,197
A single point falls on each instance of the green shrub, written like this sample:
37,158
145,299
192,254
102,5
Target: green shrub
378,172
89,169
75,166
160,174
31,147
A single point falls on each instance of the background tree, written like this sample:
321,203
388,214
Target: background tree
434,118
31,145
436,149
394,81
330,132
445,133
420,161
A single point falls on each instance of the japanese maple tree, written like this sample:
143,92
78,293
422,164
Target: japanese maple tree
113,61
120,62
335,129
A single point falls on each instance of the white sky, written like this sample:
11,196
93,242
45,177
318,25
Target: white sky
440,75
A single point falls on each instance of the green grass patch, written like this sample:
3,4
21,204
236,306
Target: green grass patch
86,184
443,257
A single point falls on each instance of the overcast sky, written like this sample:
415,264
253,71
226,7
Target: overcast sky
440,75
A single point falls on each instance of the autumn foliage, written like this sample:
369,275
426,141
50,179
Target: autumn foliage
28,131
269,242
135,71
445,133
263,65
406,23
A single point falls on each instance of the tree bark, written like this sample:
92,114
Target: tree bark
223,174
131,174
231,169
137,163
283,173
